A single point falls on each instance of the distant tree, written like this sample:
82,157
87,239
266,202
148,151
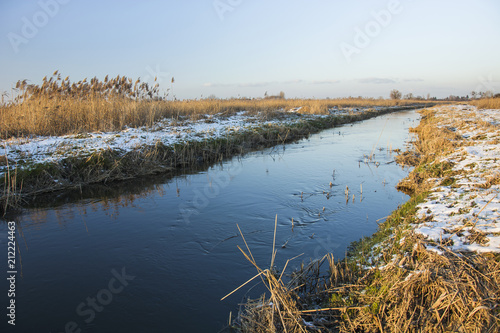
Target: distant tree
395,94
282,95
408,96
473,94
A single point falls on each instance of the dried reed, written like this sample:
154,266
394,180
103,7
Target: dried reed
59,106
487,103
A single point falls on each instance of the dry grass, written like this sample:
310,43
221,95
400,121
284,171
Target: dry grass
279,312
487,103
10,197
428,292
432,143
418,291
58,106
422,292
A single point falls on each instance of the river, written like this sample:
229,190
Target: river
158,254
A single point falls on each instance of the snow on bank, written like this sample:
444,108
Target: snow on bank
29,151
26,152
465,214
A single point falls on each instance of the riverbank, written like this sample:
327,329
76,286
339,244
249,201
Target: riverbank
36,165
433,265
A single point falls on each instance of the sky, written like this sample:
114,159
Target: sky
243,48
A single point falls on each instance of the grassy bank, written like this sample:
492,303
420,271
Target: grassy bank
422,271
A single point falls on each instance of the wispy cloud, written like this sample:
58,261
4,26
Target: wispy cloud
376,80
326,82
413,80
266,83
255,84
217,85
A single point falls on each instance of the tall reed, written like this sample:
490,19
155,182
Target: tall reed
59,106
487,103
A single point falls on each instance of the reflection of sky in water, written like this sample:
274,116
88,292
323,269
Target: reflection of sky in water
178,237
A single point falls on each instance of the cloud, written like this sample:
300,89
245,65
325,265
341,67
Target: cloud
413,80
216,85
326,82
266,83
376,80
239,85
255,84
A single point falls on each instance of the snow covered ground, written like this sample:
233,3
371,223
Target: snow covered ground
466,213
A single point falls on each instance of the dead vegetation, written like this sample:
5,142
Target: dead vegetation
487,103
420,291
431,144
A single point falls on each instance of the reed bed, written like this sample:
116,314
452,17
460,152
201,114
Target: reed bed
59,106
487,103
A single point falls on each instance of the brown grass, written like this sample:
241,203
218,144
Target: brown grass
424,292
487,103
431,144
428,292
279,312
10,197
58,106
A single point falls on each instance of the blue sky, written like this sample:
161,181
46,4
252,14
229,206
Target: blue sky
246,48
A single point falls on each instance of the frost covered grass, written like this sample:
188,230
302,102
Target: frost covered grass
434,264
461,211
